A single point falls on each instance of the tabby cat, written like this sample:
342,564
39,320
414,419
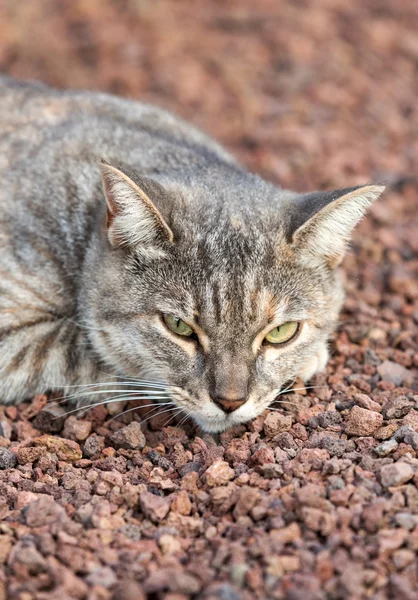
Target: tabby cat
134,246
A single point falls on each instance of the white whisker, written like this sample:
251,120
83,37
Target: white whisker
108,401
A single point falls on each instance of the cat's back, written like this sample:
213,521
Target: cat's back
36,122
51,142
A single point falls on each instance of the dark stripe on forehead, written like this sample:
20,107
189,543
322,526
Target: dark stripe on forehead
217,302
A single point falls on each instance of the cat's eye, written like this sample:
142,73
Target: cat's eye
282,333
177,326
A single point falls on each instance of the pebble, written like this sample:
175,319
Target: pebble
396,474
93,445
220,473
5,429
130,437
393,372
30,454
76,429
8,459
50,419
64,449
386,448
397,408
181,503
363,422
128,590
154,507
276,423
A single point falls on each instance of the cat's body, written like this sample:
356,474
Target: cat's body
190,233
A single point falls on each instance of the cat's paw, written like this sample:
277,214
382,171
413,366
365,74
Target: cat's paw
316,364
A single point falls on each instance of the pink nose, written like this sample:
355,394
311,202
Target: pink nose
228,405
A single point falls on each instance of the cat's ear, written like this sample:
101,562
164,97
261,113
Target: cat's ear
321,223
133,220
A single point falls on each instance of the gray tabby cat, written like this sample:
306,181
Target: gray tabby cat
132,244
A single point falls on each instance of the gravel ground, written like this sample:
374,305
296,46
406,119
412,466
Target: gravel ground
315,500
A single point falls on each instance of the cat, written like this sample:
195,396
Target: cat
133,245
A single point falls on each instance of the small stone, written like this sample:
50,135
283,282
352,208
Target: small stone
181,503
25,553
393,372
402,558
154,507
391,539
287,535
408,435
386,431
397,408
129,437
29,455
183,583
50,419
93,445
169,544
247,498
24,499
406,520
318,520
160,461
271,470
238,451
44,511
396,474
263,454
77,430
8,459
365,401
219,474
128,590
5,430
64,449
276,423
363,422
328,418
103,576
386,448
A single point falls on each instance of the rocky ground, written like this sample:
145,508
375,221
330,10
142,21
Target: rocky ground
316,500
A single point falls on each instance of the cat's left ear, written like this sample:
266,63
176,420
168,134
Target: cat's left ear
321,223
133,220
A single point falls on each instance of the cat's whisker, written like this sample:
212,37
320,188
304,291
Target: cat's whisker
139,383
155,413
84,409
282,402
140,394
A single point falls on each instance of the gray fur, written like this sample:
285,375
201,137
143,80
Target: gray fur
223,250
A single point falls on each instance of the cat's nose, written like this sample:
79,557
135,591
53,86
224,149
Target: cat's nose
228,405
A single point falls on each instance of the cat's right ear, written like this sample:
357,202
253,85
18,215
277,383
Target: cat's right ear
321,223
133,220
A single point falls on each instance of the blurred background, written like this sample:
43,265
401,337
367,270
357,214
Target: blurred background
311,93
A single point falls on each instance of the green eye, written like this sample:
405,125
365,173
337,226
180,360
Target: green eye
283,333
177,326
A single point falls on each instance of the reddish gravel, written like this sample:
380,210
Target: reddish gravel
320,499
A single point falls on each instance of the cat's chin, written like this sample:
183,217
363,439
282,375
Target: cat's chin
221,424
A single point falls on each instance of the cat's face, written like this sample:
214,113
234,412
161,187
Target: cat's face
225,310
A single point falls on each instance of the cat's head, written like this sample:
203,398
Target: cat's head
225,289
